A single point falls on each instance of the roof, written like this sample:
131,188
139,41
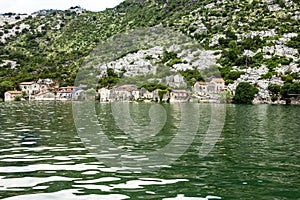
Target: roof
15,92
203,83
218,80
179,91
66,91
27,83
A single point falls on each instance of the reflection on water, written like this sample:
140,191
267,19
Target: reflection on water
43,157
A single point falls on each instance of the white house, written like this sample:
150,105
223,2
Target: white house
148,95
64,95
219,84
201,88
45,96
11,95
216,85
31,88
104,95
178,96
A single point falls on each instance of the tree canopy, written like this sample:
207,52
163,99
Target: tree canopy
245,93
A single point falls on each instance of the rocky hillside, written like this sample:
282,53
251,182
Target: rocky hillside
257,41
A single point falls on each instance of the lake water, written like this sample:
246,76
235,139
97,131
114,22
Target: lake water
43,155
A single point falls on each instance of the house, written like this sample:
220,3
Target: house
45,96
47,84
178,96
138,93
201,88
66,93
147,94
204,88
219,84
216,85
31,88
11,95
123,93
104,95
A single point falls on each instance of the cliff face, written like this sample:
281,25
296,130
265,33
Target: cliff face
256,41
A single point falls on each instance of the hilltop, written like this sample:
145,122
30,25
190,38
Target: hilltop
256,41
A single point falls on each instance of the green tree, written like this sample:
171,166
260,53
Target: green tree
285,90
18,98
109,80
5,86
289,89
245,93
275,90
191,76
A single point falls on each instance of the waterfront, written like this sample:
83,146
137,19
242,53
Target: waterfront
42,155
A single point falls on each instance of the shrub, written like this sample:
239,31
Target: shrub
245,93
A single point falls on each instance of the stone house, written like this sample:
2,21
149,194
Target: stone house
216,85
204,88
123,93
178,96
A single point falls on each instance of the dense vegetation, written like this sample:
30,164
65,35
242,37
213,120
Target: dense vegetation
244,93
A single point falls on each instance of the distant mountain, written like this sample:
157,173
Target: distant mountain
257,41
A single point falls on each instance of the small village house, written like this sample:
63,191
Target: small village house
147,94
45,96
66,93
104,94
215,86
122,93
31,88
11,95
219,84
178,96
138,93
47,84
201,88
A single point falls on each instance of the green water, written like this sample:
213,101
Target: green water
43,156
